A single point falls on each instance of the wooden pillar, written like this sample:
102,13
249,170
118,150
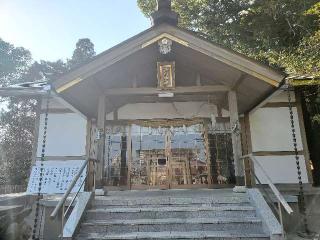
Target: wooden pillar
302,128
91,152
123,160
247,149
236,137
101,125
211,176
36,131
129,149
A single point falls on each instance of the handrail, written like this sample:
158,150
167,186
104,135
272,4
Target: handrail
74,198
276,192
66,194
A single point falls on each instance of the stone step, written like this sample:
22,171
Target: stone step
172,214
248,225
183,212
9,210
105,201
103,206
209,235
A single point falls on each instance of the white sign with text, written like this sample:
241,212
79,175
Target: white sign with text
57,176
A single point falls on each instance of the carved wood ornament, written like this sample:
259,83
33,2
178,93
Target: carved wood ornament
166,75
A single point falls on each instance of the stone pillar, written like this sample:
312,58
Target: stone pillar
236,137
101,125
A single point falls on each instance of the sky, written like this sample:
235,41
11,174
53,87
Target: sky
51,28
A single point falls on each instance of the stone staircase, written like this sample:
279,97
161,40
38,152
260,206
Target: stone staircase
172,214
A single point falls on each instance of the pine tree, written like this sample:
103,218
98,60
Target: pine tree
84,51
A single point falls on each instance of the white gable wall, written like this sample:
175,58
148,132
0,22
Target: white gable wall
282,169
66,134
271,129
271,134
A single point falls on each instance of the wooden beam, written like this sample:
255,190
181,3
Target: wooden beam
62,158
165,35
198,79
135,82
16,92
155,91
234,87
265,101
57,110
88,137
276,153
115,114
240,80
169,122
69,85
278,105
177,98
236,137
132,99
219,109
303,134
248,133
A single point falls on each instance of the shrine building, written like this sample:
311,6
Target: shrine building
168,109
163,111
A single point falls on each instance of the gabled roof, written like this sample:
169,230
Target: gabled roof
179,36
27,89
119,67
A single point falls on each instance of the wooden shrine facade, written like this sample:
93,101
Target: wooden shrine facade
167,65
169,109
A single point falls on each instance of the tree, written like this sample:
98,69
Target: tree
17,121
84,51
14,62
274,31
45,70
17,140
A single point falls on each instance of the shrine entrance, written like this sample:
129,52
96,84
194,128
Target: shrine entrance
166,67
164,154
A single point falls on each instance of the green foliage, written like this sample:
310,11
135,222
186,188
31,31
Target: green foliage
147,6
314,10
17,139
14,62
305,58
282,33
279,24
83,52
45,70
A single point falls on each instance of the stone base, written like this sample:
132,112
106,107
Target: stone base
240,181
99,192
239,189
308,235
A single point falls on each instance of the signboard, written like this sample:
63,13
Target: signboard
57,176
166,75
